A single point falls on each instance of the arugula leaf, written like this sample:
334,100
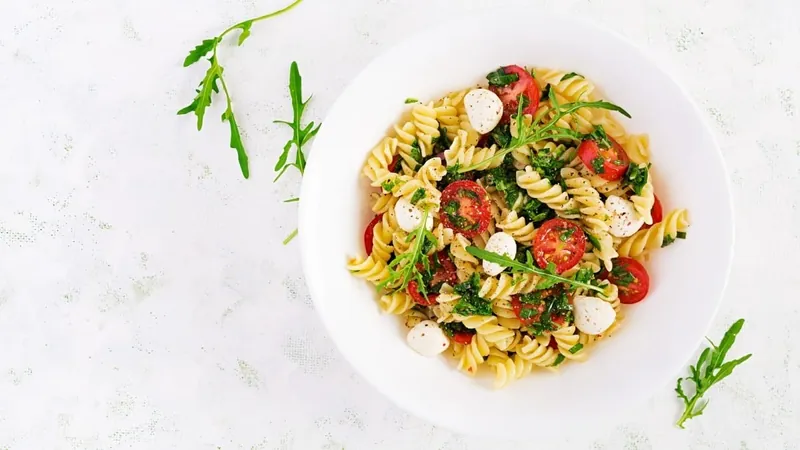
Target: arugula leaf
301,135
410,100
570,75
599,135
545,93
500,78
636,176
668,239
403,267
209,86
546,283
576,348
470,303
559,359
708,371
527,267
594,241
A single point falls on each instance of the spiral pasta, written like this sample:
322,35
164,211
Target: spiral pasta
513,321
653,238
551,195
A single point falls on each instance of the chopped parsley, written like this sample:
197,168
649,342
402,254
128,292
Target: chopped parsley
500,78
668,240
411,100
389,184
636,176
547,164
470,304
622,277
501,135
419,194
504,179
443,141
597,164
559,359
585,275
536,211
576,348
570,75
681,235
451,209
566,234
416,153
544,306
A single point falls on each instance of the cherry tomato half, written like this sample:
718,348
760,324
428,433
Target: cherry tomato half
631,277
560,242
466,208
610,163
416,295
369,233
509,94
463,338
657,212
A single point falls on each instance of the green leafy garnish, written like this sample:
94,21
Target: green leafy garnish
622,277
389,184
419,194
576,348
584,275
597,165
501,135
709,370
527,267
538,131
452,175
636,176
545,93
668,239
570,75
415,152
559,359
411,100
681,235
290,237
451,328
600,137
470,303
443,141
500,78
566,234
543,307
403,267
547,164
593,240
536,211
301,134
504,179
292,200
547,283
214,78
451,208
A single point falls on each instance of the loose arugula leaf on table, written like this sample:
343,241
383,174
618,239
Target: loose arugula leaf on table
709,370
527,267
213,79
300,134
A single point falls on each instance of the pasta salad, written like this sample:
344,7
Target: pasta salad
512,222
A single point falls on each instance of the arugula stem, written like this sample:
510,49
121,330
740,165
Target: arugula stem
687,413
259,18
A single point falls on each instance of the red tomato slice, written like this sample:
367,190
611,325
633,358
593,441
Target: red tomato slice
463,338
413,291
610,163
517,306
369,233
631,277
560,242
465,208
657,212
509,94
445,269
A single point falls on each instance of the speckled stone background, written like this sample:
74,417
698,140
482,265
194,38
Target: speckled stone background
146,301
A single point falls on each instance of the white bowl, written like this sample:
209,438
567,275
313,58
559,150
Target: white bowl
658,336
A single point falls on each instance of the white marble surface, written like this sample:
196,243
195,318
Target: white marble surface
146,300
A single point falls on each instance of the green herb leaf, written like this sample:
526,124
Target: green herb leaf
559,359
597,165
300,134
681,235
570,75
389,184
622,277
545,93
290,237
443,141
667,240
451,328
527,267
200,51
548,282
292,200
245,27
416,153
593,240
419,194
709,370
500,78
410,100
470,303
501,135
404,267
636,176
576,348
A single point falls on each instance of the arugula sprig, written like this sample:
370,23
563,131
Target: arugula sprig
404,267
301,135
709,370
539,131
213,79
549,276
